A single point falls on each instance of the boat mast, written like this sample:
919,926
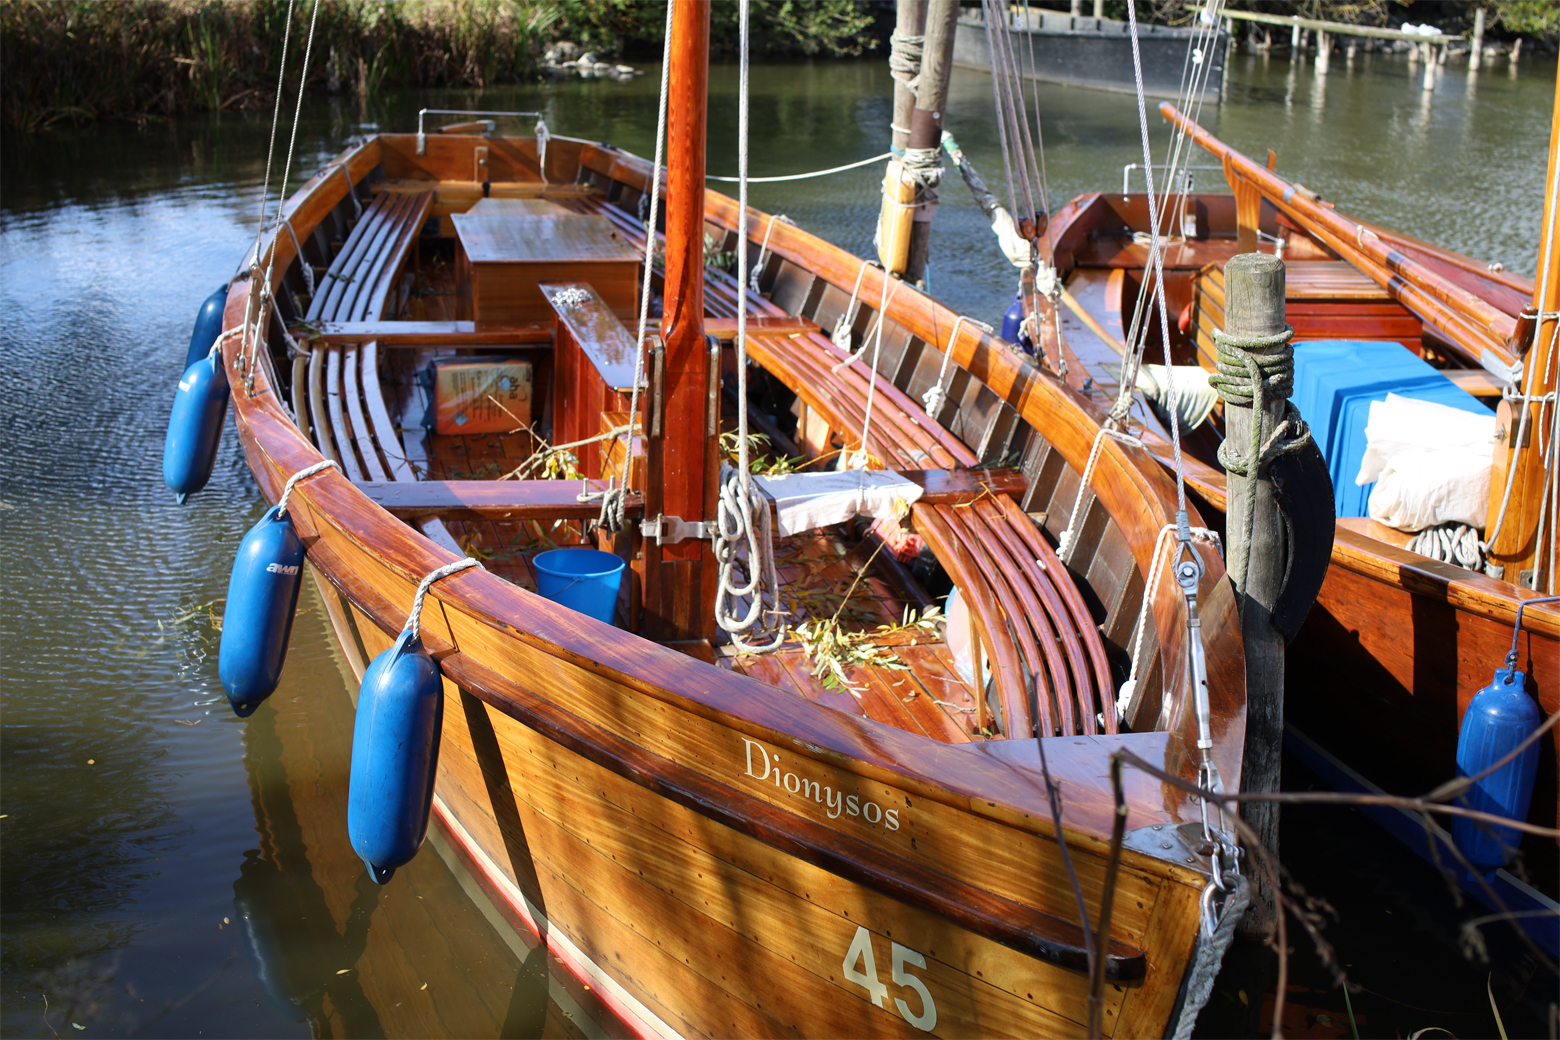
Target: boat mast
1515,547
682,448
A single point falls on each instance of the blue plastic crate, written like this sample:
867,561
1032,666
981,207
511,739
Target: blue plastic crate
1335,382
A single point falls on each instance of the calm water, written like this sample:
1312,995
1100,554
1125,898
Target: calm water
170,870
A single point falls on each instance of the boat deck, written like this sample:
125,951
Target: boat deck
911,683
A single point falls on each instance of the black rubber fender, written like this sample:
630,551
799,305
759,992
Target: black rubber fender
1304,491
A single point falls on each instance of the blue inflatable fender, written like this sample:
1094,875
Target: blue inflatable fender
1500,717
195,426
261,601
395,756
208,326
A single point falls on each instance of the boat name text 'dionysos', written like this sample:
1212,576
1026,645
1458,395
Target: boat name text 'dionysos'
762,764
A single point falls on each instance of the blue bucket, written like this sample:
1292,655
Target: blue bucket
585,580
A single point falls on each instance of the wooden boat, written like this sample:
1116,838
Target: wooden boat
724,844
1397,643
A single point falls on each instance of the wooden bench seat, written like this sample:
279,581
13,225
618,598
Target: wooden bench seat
1028,610
358,288
509,500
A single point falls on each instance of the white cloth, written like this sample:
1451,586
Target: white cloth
805,501
1430,462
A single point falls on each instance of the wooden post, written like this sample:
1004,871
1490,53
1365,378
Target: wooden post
1323,51
1099,8
911,21
1476,54
1429,81
1515,553
926,126
681,453
1254,291
1294,44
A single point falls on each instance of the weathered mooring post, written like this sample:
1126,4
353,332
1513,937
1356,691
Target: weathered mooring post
1256,366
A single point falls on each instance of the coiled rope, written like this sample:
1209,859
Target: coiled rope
904,57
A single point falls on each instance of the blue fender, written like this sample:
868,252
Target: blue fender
195,427
257,621
1499,717
208,326
395,755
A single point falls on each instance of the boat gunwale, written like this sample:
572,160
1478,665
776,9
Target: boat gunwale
317,497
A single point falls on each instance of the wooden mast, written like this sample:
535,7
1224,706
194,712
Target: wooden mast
1516,550
683,421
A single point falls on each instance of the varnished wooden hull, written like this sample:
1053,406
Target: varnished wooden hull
716,857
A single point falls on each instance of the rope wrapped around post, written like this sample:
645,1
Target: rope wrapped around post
1249,370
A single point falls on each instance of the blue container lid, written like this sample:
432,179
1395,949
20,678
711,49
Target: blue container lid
1335,382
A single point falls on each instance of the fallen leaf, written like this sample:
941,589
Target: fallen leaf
187,722
344,971
91,762
226,921
423,986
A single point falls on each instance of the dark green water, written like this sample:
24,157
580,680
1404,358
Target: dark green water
169,870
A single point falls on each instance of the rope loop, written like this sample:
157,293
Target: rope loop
842,326
302,474
1234,377
763,250
413,622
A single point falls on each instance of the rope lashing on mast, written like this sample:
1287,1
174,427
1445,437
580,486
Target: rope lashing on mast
904,57
1250,369
738,501
615,499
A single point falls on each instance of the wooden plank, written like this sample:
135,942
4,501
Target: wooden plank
489,499
597,331
431,333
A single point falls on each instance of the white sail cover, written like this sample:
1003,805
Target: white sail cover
1430,463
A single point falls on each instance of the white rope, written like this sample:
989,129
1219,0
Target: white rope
304,266
862,457
357,207
1064,543
413,620
737,505
904,57
542,137
841,336
1156,252
803,176
613,503
1129,688
302,474
1450,543
281,194
763,250
937,396
877,323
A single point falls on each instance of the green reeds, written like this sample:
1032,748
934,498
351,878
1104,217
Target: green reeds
74,61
